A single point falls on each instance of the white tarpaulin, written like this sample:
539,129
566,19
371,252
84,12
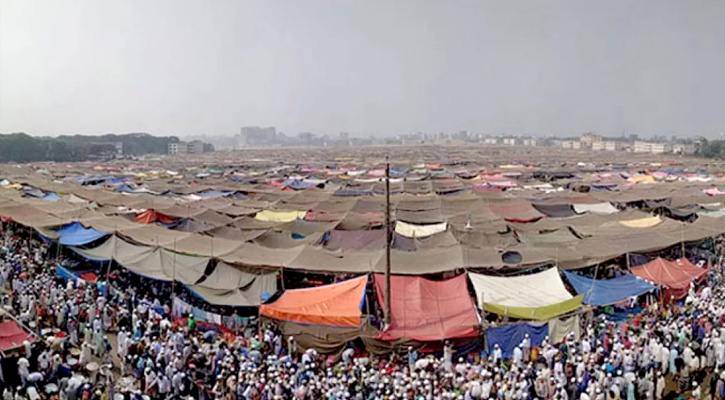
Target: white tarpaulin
561,328
596,208
419,231
530,291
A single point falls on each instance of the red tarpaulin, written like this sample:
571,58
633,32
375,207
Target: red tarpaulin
675,276
337,304
12,336
428,310
151,216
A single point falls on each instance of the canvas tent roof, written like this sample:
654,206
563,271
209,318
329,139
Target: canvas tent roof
427,310
337,304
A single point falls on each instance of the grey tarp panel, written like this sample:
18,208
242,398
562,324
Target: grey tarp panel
191,226
246,297
555,210
227,277
355,240
254,255
213,218
230,286
153,235
556,237
315,258
203,245
285,239
229,233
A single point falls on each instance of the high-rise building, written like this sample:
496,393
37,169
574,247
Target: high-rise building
257,136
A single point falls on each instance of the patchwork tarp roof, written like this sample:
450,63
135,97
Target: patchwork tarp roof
602,292
338,304
427,310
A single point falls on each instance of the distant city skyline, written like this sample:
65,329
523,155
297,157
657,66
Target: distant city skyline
374,68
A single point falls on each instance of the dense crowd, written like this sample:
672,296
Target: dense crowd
104,340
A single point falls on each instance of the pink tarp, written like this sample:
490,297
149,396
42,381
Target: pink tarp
427,310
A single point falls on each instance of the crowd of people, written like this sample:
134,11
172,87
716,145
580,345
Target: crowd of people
106,341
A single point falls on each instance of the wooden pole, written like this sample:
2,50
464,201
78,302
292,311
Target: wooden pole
388,240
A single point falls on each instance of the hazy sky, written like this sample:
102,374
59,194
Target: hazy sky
365,66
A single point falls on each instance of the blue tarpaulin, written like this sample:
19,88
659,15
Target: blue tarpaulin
76,235
212,194
64,273
610,291
509,336
297,184
51,197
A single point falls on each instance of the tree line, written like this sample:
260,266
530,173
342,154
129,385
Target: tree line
21,147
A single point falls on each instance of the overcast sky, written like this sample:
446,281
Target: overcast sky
381,67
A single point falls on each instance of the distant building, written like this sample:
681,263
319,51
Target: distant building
612,145
175,148
642,147
572,144
196,147
589,139
661,148
257,136
490,140
510,141
530,142
599,146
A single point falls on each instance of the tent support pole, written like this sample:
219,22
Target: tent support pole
388,239
173,278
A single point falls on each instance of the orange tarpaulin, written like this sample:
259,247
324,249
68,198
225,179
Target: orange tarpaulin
427,310
675,276
337,304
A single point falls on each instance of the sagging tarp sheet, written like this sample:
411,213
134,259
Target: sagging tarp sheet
507,337
338,304
227,277
151,262
673,275
602,292
532,291
76,235
427,310
245,296
555,210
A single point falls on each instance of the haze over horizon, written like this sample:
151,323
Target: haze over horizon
375,67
